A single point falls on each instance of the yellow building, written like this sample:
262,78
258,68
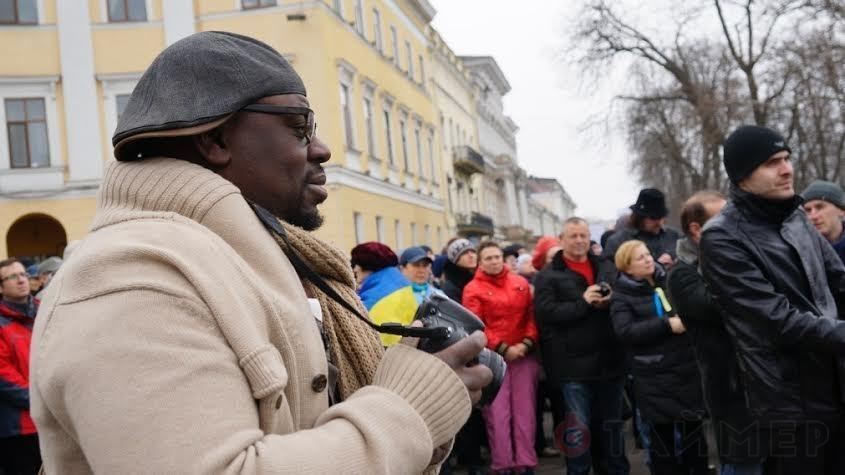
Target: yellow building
69,67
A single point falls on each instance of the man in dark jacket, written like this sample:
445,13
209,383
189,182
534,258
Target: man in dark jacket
579,351
779,284
18,438
716,356
647,224
824,203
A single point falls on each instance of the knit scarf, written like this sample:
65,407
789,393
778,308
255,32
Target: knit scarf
353,346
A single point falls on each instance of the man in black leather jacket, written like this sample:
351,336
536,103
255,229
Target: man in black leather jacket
779,285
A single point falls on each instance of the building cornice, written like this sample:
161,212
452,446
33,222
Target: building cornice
338,175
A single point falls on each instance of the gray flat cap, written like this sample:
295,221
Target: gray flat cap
825,190
195,84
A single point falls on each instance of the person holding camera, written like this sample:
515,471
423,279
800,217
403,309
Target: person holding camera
502,299
217,334
667,383
579,352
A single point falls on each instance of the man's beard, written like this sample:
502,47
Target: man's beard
307,220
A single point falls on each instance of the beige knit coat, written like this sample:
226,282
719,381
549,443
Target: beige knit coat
178,339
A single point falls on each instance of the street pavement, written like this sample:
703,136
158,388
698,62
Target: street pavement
557,465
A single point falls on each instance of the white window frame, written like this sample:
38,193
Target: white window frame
369,124
413,234
380,229
397,234
410,53
377,36
337,6
419,148
422,69
427,235
358,220
148,4
359,17
403,137
39,17
394,42
31,179
435,170
114,86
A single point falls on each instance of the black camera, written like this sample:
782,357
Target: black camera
440,311
604,289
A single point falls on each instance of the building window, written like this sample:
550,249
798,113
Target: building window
394,42
121,100
389,134
346,109
359,228
379,229
368,123
439,237
418,144
410,55
359,17
377,30
422,70
413,234
404,135
397,232
337,5
427,235
26,124
431,163
18,12
248,4
127,10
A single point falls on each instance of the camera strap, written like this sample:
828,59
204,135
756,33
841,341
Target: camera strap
271,223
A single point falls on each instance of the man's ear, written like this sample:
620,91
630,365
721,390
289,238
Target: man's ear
212,148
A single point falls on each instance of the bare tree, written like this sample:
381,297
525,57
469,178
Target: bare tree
692,88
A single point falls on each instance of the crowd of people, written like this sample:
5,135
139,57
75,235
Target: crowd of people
729,327
202,327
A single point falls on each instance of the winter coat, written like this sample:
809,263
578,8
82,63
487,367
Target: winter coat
715,354
455,278
666,379
504,304
15,340
780,286
179,339
576,339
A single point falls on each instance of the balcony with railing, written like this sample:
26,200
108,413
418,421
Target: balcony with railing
468,160
474,224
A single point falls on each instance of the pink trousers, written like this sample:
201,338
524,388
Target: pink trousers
511,419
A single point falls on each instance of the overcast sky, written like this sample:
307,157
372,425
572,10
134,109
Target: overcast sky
548,99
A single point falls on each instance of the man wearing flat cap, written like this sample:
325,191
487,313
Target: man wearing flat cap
647,224
187,334
780,287
824,203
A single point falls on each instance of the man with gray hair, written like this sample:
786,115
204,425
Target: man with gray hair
824,203
200,327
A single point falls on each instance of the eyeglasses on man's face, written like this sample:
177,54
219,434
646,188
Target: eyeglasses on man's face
16,276
310,128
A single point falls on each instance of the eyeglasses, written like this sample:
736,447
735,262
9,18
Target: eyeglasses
310,123
19,275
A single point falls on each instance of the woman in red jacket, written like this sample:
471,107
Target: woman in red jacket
502,299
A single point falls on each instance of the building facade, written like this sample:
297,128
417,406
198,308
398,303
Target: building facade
421,148
70,66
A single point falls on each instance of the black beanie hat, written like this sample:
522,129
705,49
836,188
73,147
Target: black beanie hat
748,147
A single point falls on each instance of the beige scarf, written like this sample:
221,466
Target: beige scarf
354,347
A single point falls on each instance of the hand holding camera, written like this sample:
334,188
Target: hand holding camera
598,295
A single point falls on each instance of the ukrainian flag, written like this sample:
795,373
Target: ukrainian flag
389,297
